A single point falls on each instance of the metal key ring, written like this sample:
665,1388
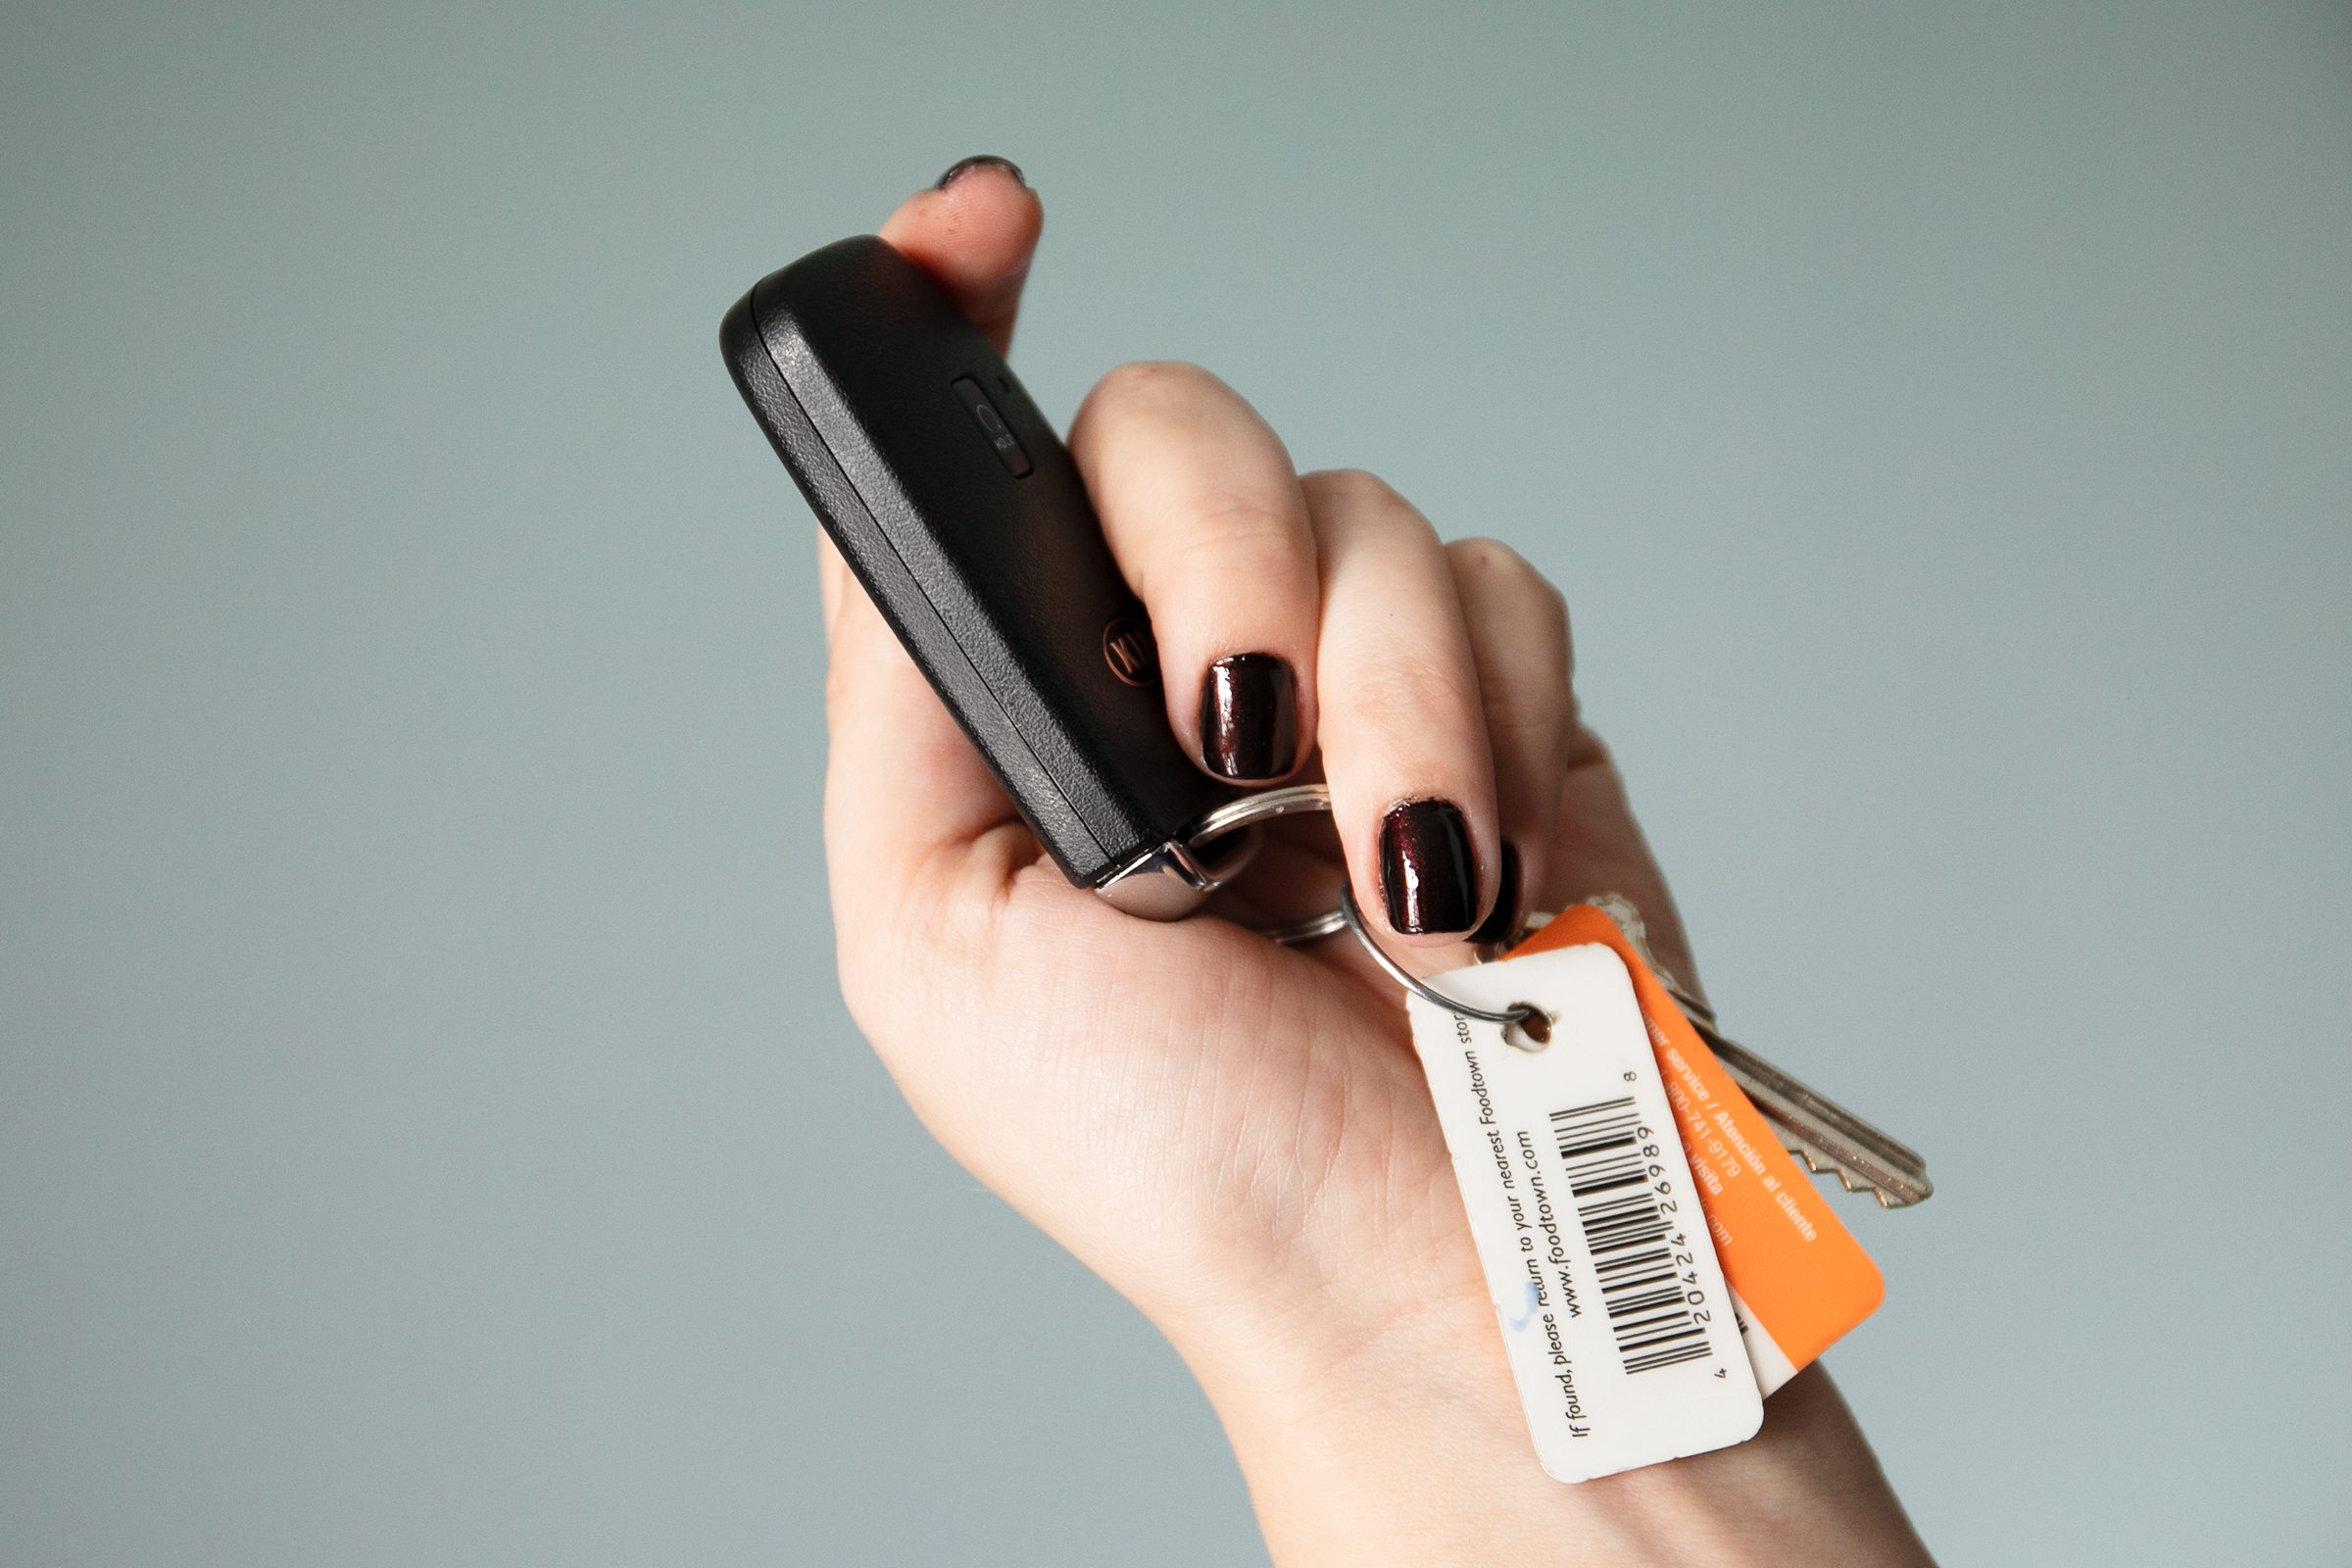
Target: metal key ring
1293,800
1314,928
1532,1021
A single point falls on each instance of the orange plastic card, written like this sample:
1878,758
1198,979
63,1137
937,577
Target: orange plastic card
1797,1276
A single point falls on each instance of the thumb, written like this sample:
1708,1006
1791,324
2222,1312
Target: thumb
974,231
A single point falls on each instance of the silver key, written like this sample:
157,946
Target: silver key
1815,1128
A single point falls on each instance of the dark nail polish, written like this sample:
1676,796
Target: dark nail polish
962,166
1428,872
1249,717
1502,922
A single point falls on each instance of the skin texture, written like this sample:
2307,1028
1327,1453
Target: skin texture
1235,1135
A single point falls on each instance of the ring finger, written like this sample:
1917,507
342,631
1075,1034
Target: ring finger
1518,625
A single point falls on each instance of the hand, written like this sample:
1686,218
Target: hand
1237,1135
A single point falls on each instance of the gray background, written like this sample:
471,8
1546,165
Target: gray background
428,1133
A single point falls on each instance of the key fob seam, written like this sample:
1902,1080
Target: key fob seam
876,563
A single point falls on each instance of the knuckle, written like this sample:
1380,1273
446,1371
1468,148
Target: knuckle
1489,558
1531,725
1149,383
1555,612
1553,604
1354,503
1495,567
1350,487
1257,534
1403,692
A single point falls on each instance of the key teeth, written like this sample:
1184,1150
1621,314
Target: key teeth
1792,1109
1846,1179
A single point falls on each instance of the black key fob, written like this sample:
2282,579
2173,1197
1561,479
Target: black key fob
959,509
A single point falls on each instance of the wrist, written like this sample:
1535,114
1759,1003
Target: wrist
1409,1447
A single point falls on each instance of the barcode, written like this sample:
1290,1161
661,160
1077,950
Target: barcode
1632,1236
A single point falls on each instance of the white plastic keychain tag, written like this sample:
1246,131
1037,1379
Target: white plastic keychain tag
1614,1312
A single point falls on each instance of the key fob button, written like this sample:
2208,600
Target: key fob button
993,428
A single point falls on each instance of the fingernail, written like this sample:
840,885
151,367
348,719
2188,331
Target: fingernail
1502,922
1249,717
962,166
1428,872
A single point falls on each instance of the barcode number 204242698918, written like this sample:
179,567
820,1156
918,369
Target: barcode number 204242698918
1649,1283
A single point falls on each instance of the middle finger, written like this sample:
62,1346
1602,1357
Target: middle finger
1404,733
